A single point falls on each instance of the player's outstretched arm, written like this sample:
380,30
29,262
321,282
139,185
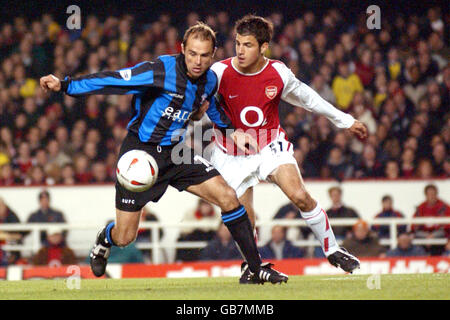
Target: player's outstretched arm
300,94
125,81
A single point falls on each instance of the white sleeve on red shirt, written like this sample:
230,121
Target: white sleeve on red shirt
218,69
299,94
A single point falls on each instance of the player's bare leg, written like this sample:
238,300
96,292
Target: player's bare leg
247,201
126,227
235,218
119,233
216,191
289,179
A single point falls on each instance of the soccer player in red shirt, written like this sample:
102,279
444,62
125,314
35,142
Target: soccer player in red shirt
250,89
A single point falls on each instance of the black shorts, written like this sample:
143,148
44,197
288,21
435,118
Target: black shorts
180,176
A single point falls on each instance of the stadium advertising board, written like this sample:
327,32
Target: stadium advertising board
231,269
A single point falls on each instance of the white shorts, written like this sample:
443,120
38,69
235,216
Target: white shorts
243,172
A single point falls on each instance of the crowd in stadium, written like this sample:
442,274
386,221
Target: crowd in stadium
396,80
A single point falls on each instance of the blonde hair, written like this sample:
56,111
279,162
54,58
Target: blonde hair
202,31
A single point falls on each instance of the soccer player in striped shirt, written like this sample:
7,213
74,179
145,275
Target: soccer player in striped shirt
167,93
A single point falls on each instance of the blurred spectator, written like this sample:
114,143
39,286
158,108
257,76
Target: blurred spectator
6,214
391,170
363,113
369,166
67,175
56,155
46,214
7,177
345,85
388,211
439,155
339,210
432,207
290,211
447,249
340,168
405,248
3,258
16,237
55,252
99,173
279,247
363,242
424,169
4,154
320,85
203,212
82,171
364,68
407,163
222,247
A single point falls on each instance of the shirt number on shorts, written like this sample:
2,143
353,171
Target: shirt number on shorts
279,146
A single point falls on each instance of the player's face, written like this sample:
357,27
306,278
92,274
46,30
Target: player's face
198,56
248,50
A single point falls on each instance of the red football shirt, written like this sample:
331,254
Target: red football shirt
251,100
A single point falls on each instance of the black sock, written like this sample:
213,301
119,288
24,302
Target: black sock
239,225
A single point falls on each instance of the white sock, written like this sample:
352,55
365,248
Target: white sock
317,220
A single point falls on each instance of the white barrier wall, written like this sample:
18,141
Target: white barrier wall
96,204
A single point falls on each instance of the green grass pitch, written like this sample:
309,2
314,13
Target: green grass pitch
403,286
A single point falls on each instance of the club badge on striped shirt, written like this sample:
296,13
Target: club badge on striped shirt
204,96
125,74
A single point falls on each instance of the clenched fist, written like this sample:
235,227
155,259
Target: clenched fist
50,82
359,129
198,115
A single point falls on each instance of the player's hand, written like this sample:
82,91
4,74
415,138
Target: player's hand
50,82
201,111
359,129
244,141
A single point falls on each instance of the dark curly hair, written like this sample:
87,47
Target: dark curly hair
256,26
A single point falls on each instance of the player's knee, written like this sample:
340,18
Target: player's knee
302,200
228,199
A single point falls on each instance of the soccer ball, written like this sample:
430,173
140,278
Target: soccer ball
137,171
